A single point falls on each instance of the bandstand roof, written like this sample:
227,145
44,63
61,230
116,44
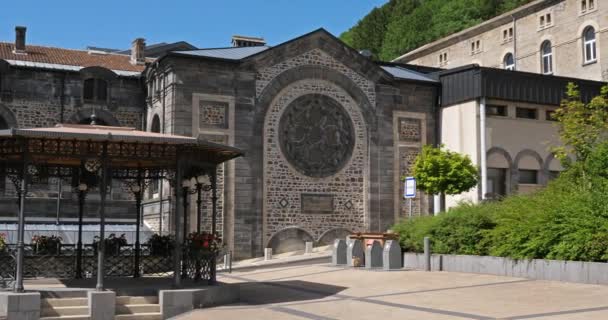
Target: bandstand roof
69,144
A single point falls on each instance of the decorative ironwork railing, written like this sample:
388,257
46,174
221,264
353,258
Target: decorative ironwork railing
119,261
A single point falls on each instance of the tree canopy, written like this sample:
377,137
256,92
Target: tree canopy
441,171
403,25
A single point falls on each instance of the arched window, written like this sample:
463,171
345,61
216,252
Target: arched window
3,124
509,62
95,90
589,45
546,57
155,127
88,120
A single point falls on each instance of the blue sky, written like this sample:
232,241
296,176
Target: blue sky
204,23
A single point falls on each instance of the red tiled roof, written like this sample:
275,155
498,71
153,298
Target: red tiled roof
69,57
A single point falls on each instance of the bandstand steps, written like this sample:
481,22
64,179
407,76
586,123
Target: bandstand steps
63,302
139,316
64,311
122,300
66,318
66,308
137,308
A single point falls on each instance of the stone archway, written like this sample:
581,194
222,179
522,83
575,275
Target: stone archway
103,117
7,118
289,239
328,237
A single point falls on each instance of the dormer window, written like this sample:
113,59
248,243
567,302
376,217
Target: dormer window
95,90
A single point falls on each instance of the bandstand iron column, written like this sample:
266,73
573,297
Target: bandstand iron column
21,228
213,179
102,219
137,190
82,194
177,253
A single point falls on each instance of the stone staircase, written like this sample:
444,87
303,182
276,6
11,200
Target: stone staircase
64,308
127,308
137,308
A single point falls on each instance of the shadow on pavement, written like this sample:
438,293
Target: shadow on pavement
258,293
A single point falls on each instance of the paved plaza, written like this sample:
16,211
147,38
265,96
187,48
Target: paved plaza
325,292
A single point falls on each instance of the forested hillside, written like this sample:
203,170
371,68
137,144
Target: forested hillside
402,25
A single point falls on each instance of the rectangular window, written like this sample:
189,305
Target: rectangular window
497,183
496,110
545,21
550,115
475,46
583,5
528,176
591,4
443,59
507,34
526,113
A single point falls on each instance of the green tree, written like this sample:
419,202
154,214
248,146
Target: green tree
441,171
400,26
582,126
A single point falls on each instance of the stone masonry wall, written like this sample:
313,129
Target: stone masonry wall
284,186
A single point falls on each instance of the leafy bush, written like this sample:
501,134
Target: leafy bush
2,242
47,244
161,245
112,244
567,220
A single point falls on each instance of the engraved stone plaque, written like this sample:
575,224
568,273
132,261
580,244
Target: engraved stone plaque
317,203
316,135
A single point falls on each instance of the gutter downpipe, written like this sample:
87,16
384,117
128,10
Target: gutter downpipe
482,148
514,42
437,203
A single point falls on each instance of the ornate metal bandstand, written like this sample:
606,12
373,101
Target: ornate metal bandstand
92,156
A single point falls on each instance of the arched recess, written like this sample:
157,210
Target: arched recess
7,118
528,159
102,117
274,88
551,167
289,239
155,125
500,171
328,237
98,73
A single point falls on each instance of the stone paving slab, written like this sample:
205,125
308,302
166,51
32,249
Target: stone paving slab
328,292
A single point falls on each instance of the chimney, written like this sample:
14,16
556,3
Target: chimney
20,39
244,41
138,51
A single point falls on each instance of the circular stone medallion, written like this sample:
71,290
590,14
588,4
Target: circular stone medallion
316,135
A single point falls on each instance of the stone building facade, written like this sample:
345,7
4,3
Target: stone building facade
317,122
560,37
39,88
328,134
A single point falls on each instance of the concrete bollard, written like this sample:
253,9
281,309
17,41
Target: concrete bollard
373,255
20,306
267,254
391,256
308,249
338,254
228,261
102,305
427,254
355,255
